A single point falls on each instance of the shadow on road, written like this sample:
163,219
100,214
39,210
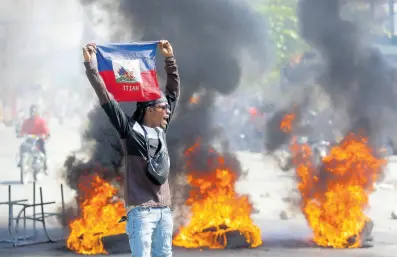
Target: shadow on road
270,247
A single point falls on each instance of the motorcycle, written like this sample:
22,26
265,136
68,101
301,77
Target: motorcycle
31,159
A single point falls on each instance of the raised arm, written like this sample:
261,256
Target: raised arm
172,87
97,83
112,109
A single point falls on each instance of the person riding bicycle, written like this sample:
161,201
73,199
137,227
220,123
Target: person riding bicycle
36,125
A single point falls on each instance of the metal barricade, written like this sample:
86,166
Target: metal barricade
15,237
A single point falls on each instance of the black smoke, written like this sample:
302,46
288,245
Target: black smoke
357,75
355,78
354,75
210,39
215,42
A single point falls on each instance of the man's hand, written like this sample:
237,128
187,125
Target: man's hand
88,51
166,48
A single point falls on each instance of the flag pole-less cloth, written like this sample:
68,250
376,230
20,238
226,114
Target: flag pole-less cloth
129,70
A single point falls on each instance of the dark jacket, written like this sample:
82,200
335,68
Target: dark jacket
138,188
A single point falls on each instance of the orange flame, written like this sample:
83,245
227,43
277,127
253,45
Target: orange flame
99,216
286,123
334,204
194,99
296,59
216,209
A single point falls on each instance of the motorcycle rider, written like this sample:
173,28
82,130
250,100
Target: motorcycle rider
36,125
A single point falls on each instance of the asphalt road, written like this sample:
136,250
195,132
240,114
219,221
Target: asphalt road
265,184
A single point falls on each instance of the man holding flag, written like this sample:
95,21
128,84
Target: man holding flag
126,72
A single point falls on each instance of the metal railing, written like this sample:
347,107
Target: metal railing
18,239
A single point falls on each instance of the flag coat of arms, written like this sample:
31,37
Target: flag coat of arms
129,70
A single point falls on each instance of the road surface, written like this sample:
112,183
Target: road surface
265,184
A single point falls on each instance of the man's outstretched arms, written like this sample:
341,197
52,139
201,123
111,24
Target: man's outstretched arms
112,109
172,87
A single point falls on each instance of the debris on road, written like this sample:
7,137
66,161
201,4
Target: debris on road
284,215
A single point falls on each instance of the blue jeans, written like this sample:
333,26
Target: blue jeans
149,231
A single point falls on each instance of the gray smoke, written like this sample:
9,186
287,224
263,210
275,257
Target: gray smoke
355,81
215,43
34,50
354,76
357,77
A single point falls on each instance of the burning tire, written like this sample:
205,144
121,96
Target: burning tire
365,237
335,181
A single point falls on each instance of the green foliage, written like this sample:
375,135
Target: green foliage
283,31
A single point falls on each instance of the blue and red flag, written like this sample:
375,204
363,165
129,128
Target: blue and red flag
129,70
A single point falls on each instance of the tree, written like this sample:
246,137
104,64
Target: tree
283,31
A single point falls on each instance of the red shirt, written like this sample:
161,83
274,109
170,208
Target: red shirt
37,126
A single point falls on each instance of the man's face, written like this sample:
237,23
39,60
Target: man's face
33,112
159,114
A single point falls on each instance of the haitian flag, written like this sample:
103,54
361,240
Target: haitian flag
129,70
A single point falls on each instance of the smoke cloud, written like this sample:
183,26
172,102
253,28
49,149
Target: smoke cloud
349,83
353,76
216,43
357,76
34,50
